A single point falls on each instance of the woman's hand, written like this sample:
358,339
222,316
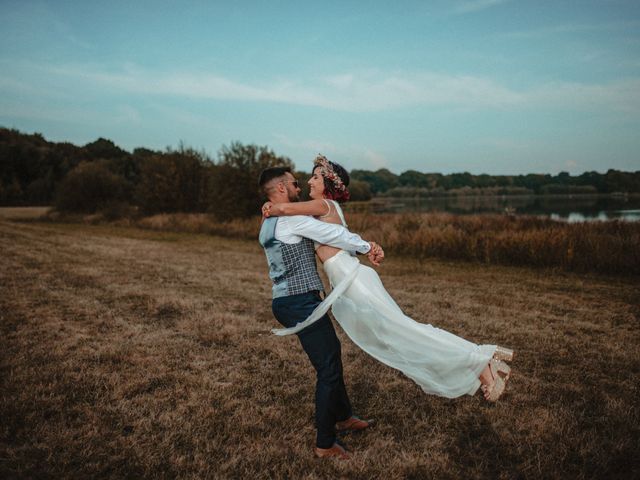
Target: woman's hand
376,254
266,209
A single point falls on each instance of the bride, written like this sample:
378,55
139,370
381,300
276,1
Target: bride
439,362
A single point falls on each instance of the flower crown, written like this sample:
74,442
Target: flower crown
326,170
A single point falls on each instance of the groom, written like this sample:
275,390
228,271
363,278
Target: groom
288,244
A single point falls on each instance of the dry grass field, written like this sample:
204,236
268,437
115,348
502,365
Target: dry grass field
130,353
23,213
520,240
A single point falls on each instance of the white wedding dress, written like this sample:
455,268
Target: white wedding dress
441,363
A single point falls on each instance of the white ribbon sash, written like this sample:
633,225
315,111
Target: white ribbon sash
324,306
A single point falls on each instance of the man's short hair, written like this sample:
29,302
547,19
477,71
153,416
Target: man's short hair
269,174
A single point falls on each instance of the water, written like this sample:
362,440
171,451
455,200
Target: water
626,215
569,208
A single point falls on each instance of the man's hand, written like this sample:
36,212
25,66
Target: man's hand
376,254
266,209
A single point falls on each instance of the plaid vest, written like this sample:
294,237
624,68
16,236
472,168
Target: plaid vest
292,266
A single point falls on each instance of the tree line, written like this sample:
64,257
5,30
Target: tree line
412,183
100,176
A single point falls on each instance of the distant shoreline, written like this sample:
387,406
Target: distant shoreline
634,195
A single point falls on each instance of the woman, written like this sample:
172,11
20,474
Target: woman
440,362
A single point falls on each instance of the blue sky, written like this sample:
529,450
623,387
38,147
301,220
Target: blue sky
485,86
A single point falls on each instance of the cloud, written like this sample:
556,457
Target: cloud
17,86
572,28
127,114
67,115
477,5
26,21
375,159
368,91
310,144
621,95
347,155
355,92
505,143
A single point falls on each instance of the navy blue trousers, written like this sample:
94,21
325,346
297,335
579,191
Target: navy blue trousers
322,346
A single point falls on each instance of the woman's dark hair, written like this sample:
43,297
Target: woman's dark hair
330,190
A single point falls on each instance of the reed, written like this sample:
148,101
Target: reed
611,247
201,223
605,247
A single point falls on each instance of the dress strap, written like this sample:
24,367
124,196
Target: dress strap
339,210
323,307
328,208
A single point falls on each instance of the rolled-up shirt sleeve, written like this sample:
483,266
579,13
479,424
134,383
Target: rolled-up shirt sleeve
326,233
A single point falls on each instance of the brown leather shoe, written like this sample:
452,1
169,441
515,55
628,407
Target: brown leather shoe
335,450
352,424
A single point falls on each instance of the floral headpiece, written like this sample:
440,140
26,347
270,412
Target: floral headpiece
326,170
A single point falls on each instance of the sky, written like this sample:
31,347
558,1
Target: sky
484,86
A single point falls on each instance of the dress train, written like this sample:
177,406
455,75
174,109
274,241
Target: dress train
440,362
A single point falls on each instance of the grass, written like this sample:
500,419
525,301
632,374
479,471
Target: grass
605,247
131,353
611,247
23,213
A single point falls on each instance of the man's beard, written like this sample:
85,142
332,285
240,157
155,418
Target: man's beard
294,197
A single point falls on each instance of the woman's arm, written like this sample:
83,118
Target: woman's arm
312,207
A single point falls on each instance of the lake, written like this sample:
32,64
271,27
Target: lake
570,208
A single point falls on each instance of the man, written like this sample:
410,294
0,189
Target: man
288,244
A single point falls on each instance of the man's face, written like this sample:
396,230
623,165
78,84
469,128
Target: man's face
293,190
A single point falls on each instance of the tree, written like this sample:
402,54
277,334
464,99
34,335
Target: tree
359,190
380,181
458,180
172,182
141,152
40,191
592,178
484,181
563,178
617,181
103,148
533,181
413,178
90,187
233,183
13,194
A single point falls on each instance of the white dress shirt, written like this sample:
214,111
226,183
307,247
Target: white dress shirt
292,229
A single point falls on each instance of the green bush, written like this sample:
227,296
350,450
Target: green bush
90,187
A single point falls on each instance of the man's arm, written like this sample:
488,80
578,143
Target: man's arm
327,233
312,207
